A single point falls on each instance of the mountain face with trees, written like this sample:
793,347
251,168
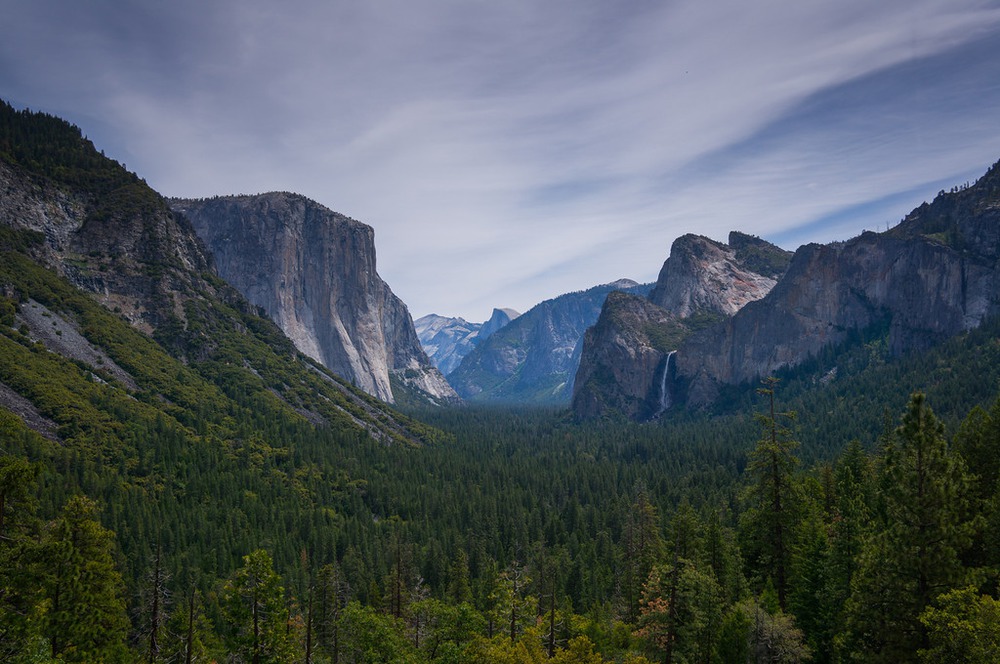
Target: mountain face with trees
204,492
931,277
534,358
73,219
627,363
313,272
448,340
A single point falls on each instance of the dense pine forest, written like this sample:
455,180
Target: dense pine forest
204,494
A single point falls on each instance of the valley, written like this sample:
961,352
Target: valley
220,438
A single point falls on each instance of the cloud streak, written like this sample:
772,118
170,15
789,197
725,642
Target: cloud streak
508,152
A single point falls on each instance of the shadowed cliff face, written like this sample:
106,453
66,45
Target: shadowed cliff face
624,357
313,271
924,290
934,275
143,263
534,358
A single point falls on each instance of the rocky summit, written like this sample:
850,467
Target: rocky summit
313,272
743,311
929,278
448,340
626,365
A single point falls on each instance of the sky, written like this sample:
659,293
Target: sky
506,152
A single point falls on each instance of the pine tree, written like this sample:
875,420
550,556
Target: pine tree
85,619
17,546
254,602
642,546
914,555
681,604
772,511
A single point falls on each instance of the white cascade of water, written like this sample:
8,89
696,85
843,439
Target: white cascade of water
665,401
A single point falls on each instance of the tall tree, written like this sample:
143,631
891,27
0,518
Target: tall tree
914,554
85,619
642,546
254,603
154,607
687,597
17,544
772,510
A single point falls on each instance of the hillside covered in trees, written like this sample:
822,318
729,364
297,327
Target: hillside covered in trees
201,492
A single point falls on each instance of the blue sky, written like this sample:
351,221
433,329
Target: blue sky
508,152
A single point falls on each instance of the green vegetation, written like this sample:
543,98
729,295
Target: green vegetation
760,256
56,151
232,500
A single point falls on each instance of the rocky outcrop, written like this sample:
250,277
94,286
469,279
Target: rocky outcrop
313,272
138,259
934,275
448,340
534,358
702,275
625,360
702,282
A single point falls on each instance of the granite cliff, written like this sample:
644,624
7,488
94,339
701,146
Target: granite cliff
931,277
635,338
743,311
313,272
78,231
626,364
448,340
534,358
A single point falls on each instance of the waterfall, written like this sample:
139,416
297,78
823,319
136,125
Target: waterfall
665,400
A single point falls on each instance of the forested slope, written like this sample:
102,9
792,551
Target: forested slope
202,492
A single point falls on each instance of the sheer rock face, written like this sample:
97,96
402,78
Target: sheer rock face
625,355
448,340
702,275
313,271
934,275
622,363
924,290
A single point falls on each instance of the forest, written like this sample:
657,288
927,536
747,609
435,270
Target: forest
205,494
521,536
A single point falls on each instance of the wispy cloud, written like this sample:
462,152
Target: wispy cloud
508,152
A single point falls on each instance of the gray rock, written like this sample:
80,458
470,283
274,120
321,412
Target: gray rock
534,358
624,364
313,272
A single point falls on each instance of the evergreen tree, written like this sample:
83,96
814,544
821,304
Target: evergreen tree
915,553
84,616
332,594
254,603
680,613
642,546
772,510
17,546
811,599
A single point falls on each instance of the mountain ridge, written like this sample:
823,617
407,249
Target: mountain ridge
626,356
931,277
